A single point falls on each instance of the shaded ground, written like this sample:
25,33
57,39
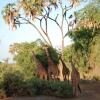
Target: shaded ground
90,91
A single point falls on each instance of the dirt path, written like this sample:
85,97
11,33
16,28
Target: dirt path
90,91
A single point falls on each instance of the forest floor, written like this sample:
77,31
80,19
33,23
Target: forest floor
90,91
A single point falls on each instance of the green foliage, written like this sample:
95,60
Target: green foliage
68,52
40,54
54,55
91,11
95,51
24,58
14,84
60,89
85,50
4,68
90,14
82,38
76,56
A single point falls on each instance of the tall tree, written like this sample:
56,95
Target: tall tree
87,29
27,11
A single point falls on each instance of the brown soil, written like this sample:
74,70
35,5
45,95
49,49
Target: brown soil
90,91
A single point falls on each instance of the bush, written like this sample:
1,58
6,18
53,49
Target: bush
60,89
15,85
53,88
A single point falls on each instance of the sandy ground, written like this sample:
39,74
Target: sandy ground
90,91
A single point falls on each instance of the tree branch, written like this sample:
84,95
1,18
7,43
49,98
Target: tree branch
54,21
35,28
44,31
68,28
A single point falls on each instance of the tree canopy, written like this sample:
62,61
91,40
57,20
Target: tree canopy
89,16
27,11
23,55
85,34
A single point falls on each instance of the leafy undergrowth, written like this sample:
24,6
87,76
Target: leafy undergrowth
15,85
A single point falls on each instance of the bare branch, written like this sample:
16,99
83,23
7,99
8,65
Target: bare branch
54,21
56,16
44,31
37,18
42,27
68,28
68,8
46,25
21,23
35,28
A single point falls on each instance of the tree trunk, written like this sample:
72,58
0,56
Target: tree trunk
60,67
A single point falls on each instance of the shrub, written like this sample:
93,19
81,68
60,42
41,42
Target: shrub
53,88
60,89
15,85
12,83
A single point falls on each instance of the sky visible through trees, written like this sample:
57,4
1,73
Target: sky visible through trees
26,33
